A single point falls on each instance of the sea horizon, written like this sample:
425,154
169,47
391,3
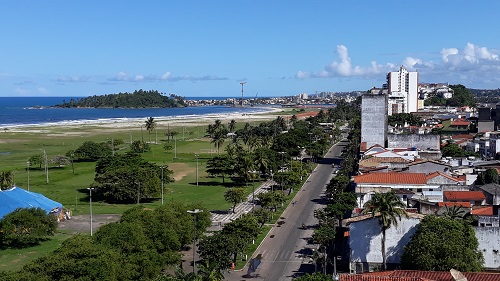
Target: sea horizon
38,111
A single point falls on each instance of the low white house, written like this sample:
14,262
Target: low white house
365,241
365,238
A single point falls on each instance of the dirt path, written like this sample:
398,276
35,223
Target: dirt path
81,223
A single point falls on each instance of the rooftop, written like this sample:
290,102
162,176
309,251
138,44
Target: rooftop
464,195
394,178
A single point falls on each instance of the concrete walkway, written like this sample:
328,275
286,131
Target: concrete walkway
220,218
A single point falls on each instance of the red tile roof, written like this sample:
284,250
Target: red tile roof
483,211
397,275
464,195
458,204
462,136
437,173
392,178
460,122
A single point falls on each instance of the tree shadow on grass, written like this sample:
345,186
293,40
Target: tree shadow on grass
214,183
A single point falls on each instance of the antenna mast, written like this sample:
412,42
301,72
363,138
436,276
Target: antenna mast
242,83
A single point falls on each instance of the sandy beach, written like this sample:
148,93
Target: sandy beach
121,124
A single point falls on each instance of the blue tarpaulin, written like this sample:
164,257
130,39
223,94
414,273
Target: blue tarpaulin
17,197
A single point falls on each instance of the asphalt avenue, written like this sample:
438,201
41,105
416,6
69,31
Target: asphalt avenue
285,252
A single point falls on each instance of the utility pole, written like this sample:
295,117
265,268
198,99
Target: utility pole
196,155
242,83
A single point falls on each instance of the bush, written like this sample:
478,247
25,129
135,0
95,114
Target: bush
26,227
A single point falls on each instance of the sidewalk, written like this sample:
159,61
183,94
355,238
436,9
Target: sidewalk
219,218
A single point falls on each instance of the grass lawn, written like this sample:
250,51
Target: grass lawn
15,259
70,188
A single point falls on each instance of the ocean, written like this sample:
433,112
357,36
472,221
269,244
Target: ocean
33,111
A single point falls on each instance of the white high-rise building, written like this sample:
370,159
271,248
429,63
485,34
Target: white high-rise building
403,91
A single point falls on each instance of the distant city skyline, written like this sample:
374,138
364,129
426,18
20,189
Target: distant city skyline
207,48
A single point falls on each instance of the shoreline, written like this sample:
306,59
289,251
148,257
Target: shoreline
128,123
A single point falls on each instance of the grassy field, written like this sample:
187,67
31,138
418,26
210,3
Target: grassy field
70,188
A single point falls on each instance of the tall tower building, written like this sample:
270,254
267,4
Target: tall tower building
374,118
403,91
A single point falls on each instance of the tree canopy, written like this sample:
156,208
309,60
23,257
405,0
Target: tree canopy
136,99
26,227
127,179
440,244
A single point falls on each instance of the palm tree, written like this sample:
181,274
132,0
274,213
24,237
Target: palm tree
389,208
150,124
232,125
455,212
210,272
6,180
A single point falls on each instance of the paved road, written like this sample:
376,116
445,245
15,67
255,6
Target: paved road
284,252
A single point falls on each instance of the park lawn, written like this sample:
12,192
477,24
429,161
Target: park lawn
15,259
70,188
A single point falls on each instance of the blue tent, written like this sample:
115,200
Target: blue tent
17,197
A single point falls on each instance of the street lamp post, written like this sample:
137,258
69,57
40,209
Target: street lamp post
90,189
28,167
253,188
196,155
46,164
175,147
194,212
162,167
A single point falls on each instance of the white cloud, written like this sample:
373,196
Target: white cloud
473,66
344,68
167,76
22,91
65,79
42,90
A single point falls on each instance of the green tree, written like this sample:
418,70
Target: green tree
37,160
242,232
91,151
488,176
6,180
128,178
453,150
216,249
232,125
271,200
26,227
262,215
389,208
235,195
79,258
220,165
440,244
314,277
461,97
139,146
150,124
402,118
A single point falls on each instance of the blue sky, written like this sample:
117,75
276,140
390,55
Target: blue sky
206,48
